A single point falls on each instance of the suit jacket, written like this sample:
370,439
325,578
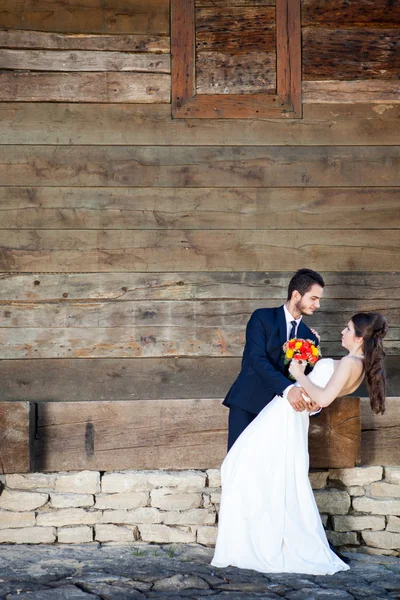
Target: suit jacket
263,374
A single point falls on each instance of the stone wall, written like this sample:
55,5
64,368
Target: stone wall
360,507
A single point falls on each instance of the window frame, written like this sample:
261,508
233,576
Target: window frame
186,103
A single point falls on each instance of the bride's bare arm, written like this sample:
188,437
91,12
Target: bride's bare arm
342,376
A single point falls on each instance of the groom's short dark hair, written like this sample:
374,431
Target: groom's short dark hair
303,280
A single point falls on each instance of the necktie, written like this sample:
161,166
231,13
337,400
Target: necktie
292,333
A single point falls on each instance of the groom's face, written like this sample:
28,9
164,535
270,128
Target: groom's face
309,303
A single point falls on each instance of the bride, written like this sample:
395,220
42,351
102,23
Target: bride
268,519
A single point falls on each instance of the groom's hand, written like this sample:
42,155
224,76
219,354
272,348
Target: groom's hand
296,400
313,406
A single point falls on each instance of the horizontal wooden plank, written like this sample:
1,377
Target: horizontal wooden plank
137,341
17,422
72,380
381,434
197,166
78,41
85,87
228,315
193,208
236,28
162,251
351,53
172,434
97,124
87,16
121,287
349,13
226,3
227,73
367,90
83,60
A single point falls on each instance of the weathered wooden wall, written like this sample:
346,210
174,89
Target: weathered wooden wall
135,246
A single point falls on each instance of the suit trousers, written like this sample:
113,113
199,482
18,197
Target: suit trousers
239,419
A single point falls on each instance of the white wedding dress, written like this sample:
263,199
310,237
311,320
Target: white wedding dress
268,519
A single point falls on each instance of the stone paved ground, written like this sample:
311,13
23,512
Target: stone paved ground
115,572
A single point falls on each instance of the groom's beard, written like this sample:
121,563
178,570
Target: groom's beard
304,309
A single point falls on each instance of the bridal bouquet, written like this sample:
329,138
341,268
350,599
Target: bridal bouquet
299,349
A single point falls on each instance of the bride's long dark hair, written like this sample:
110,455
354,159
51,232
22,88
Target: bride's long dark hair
373,327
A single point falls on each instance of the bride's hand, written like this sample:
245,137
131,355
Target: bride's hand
297,367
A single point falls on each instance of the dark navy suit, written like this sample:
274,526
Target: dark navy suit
263,374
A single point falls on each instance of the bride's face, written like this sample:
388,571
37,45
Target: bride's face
349,338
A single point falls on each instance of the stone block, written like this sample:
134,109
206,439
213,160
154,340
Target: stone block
376,551
71,500
196,516
206,536
358,523
140,515
318,479
333,502
215,497
214,478
377,507
170,499
75,535
28,535
115,533
163,534
22,501
382,539
80,482
356,476
142,481
356,490
9,520
40,482
124,500
383,489
393,524
392,474
68,516
349,538
206,500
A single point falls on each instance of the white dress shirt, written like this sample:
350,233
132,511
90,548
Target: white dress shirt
289,318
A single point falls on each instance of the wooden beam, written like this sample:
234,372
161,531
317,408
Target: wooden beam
17,432
381,434
335,435
173,434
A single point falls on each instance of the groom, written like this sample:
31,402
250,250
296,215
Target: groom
263,374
